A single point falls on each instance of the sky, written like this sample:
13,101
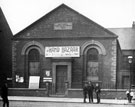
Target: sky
107,13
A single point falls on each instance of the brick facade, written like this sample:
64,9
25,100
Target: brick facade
66,27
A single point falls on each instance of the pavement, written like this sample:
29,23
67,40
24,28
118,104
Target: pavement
68,100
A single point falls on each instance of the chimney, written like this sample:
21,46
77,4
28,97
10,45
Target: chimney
133,25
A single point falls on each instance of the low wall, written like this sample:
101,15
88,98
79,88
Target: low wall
70,93
27,92
105,93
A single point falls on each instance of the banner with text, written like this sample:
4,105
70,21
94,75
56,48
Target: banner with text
63,51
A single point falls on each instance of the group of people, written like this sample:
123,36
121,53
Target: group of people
88,90
129,94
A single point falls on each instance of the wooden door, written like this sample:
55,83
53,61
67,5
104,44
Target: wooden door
61,77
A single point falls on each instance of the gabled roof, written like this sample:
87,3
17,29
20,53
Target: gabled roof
82,26
126,37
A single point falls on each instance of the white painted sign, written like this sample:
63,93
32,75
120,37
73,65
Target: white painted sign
34,82
63,51
47,79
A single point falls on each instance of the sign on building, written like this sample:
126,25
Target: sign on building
34,82
63,51
47,73
63,26
47,76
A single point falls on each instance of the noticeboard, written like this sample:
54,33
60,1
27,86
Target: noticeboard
34,82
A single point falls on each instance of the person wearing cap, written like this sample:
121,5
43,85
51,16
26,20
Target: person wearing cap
85,91
128,95
90,91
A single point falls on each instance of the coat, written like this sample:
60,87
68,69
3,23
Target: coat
4,91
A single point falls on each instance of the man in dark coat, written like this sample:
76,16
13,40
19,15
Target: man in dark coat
90,91
85,91
98,91
4,94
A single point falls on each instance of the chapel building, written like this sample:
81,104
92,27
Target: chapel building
66,49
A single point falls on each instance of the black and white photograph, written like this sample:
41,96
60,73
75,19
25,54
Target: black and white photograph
67,53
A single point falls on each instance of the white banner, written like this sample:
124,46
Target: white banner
63,51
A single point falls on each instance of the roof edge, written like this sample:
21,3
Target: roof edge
64,5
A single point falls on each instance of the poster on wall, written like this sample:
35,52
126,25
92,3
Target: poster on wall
47,73
34,82
47,76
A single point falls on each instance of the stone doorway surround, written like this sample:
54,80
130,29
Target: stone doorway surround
55,63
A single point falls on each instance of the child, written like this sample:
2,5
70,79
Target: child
131,96
128,96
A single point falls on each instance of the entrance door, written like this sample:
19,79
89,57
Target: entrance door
61,77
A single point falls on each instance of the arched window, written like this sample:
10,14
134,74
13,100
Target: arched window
92,64
34,62
92,55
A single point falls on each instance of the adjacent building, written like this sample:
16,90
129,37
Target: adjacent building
5,50
126,38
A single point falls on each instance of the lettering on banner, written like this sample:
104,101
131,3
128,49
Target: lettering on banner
63,51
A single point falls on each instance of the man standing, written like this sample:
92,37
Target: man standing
4,94
90,91
128,95
97,90
85,91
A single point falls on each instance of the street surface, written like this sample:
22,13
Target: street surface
61,104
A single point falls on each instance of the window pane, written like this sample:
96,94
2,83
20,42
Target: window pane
92,65
92,55
34,62
33,55
92,71
34,68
